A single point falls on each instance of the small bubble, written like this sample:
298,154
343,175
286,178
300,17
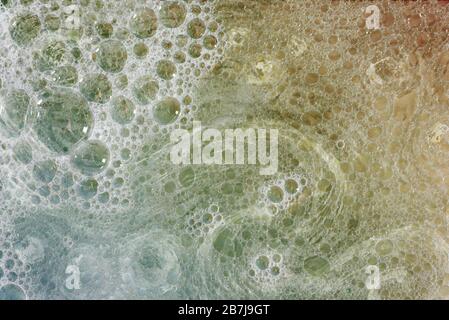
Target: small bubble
275,194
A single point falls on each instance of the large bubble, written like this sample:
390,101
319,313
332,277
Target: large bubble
167,110
63,119
172,14
25,28
90,157
12,292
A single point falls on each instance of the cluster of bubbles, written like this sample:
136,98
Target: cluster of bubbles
281,193
205,222
266,267
91,89
356,119
83,84
94,87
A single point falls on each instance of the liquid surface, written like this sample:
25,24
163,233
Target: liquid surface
92,207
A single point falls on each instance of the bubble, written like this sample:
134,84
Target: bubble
23,152
277,258
63,119
96,88
65,76
167,45
195,50
125,153
170,187
111,56
154,266
51,56
227,188
210,42
275,194
12,292
141,50
311,118
312,78
262,262
90,157
25,28
181,40
104,29
145,89
12,276
316,266
9,264
213,26
6,3
44,171
227,244
165,69
179,57
167,110
35,199
13,111
67,180
196,28
186,177
122,81
384,247
291,186
87,189
76,53
52,22
44,191
207,218
55,199
124,132
123,110
103,197
144,23
172,14
118,182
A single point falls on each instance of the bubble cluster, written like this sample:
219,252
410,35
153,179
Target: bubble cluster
85,86
91,90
